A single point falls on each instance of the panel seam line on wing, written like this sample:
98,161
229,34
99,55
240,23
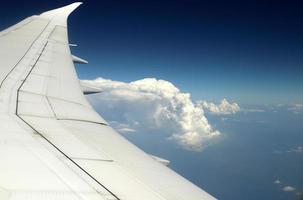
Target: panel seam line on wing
32,44
42,136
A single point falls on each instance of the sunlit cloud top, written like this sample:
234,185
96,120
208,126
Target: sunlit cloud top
157,105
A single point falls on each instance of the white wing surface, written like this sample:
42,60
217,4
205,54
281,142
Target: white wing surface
53,145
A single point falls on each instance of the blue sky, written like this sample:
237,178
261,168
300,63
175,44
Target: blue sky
249,52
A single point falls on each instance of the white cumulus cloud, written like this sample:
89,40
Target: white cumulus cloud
224,108
288,189
155,105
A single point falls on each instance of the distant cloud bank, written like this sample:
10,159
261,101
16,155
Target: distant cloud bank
224,108
157,105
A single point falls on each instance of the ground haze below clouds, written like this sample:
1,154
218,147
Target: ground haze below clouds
259,145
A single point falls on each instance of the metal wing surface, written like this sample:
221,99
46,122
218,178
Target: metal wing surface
53,145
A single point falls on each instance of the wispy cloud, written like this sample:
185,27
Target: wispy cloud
296,108
253,110
298,149
150,104
124,128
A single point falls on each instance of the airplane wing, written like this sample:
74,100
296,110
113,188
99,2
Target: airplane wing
53,145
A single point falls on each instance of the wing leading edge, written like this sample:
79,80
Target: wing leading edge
52,143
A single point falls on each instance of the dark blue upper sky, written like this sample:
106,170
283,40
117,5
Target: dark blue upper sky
247,51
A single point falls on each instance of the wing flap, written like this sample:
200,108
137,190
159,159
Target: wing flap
53,77
32,169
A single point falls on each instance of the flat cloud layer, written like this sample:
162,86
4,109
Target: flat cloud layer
154,105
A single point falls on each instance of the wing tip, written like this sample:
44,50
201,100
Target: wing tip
78,3
61,14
